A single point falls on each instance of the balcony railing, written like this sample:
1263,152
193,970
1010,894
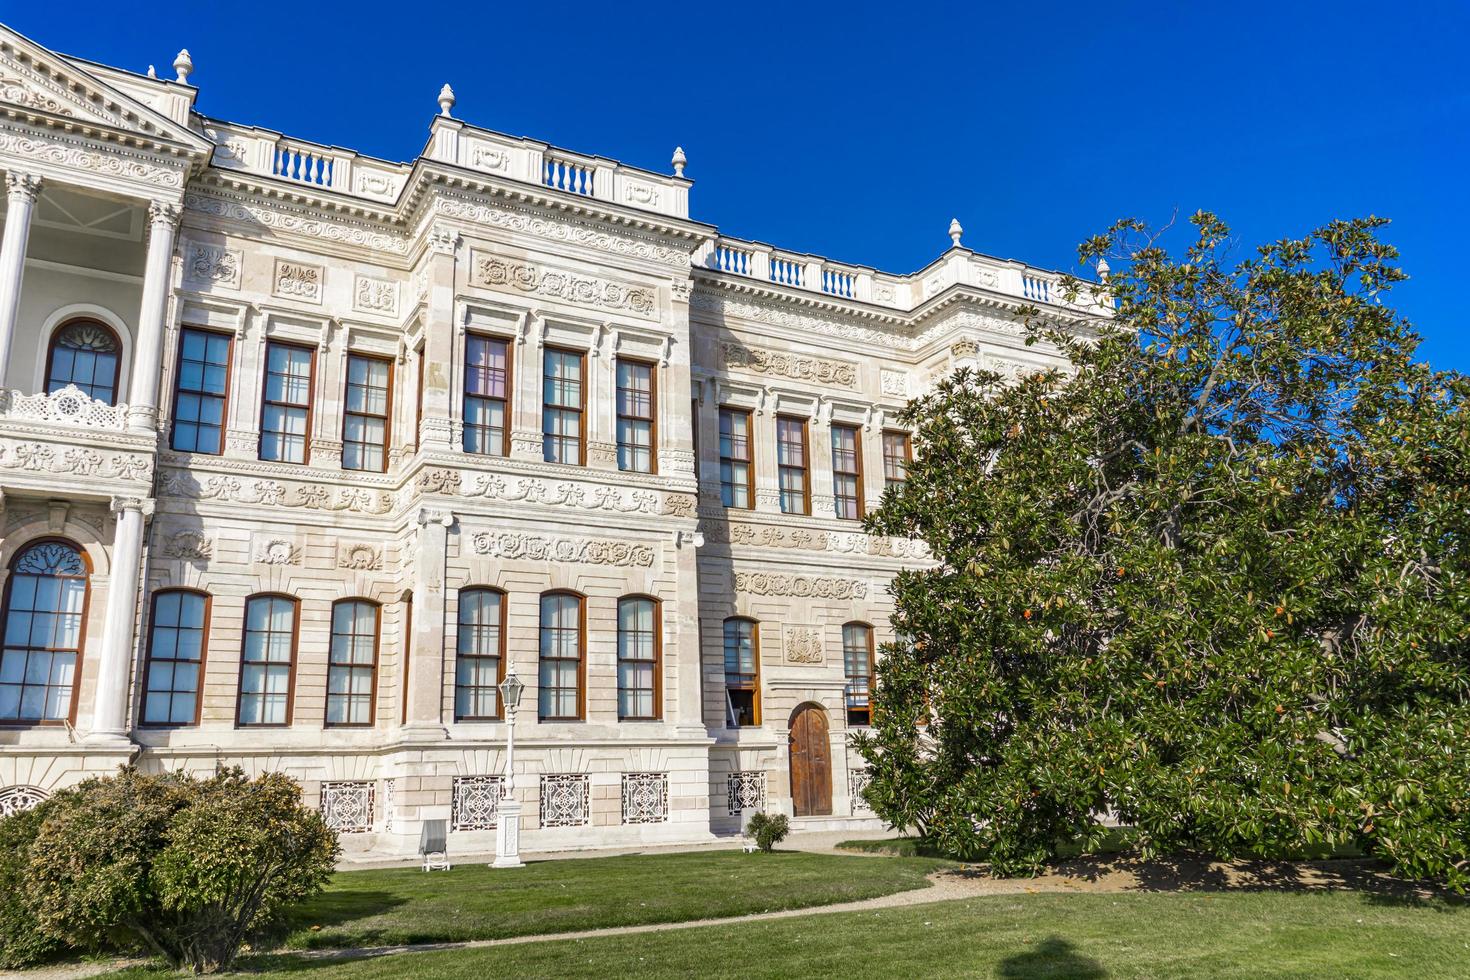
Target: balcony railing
69,406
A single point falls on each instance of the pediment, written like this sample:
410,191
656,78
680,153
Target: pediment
41,82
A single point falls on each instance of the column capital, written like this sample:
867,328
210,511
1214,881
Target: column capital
435,515
143,505
22,187
164,213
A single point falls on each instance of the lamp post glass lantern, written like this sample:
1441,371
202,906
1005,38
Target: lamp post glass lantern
508,826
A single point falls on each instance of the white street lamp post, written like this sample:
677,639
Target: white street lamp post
508,824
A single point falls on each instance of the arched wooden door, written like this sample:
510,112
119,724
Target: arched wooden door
811,762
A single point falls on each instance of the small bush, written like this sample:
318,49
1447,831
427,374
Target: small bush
185,868
22,943
767,830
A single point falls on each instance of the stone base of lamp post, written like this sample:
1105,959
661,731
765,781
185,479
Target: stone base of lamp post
508,835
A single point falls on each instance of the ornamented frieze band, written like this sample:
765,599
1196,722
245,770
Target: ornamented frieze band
571,232
40,457
535,547
794,366
799,586
495,272
229,489
768,536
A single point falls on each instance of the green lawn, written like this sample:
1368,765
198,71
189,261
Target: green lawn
371,908
1196,935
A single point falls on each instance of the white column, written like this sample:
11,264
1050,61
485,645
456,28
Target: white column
425,692
163,226
114,668
21,191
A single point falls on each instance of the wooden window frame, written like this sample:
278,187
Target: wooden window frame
856,473
500,654
658,656
868,678
806,467
406,658
148,659
507,402
291,671
266,402
51,353
652,418
581,408
755,684
581,714
81,651
906,458
749,459
377,648
224,398
418,397
386,417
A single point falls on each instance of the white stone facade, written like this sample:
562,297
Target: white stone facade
129,209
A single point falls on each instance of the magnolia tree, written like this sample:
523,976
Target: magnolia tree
1210,581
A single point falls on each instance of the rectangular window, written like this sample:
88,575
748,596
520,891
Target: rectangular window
562,406
737,474
267,661
897,452
742,673
791,465
352,664
636,404
285,414
175,658
847,472
486,395
367,410
638,643
561,658
857,661
477,664
201,390
418,401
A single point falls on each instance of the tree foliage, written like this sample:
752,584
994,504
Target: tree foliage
181,867
1211,580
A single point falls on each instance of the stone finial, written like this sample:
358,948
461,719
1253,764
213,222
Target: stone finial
1103,269
679,161
446,99
152,72
183,64
955,231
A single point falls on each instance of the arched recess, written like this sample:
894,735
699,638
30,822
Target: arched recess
85,311
810,751
15,799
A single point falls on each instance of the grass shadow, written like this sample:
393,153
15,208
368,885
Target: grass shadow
1052,957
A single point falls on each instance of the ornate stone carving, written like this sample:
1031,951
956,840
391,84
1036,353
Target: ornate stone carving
22,187
296,280
964,348
360,557
497,273
188,546
212,265
114,164
278,551
229,489
640,195
491,158
601,452
795,366
375,296
65,406
535,547
804,645
20,91
570,231
894,383
799,586
680,504
559,493
645,797
847,543
782,315
311,223
40,457
436,480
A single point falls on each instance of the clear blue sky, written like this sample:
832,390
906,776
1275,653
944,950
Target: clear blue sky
857,131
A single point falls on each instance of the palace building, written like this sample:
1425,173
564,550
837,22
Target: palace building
302,451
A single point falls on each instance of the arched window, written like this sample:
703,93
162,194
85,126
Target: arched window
857,659
742,673
479,663
45,604
268,661
638,659
352,665
562,645
84,353
176,642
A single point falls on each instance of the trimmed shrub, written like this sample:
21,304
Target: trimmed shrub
22,942
767,830
185,868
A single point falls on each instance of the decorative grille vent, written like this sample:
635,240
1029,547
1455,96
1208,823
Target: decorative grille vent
476,802
348,807
645,797
747,791
564,801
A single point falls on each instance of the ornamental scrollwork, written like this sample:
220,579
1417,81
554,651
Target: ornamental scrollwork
799,586
804,645
535,547
188,546
557,493
794,366
229,489
497,273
